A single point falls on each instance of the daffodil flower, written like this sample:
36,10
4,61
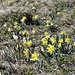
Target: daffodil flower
29,43
33,8
67,40
24,42
35,17
47,21
17,27
23,32
63,32
59,45
46,34
44,41
60,40
36,3
47,25
18,45
9,29
58,13
74,44
25,52
34,56
15,23
23,19
52,24
53,40
9,1
51,48
27,3
33,31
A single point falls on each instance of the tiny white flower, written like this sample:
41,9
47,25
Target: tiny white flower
5,25
15,37
24,38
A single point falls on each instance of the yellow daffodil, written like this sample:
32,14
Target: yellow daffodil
58,13
47,21
9,1
24,42
9,29
25,33
73,43
34,56
29,43
23,19
63,32
47,25
59,45
46,34
33,31
52,24
44,41
35,17
17,27
25,52
53,40
51,48
36,3
60,40
15,23
27,3
67,40
33,8
18,45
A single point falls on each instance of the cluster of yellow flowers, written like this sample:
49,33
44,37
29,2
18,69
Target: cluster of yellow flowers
25,33
35,17
27,43
34,56
46,34
47,23
51,41
35,5
16,26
